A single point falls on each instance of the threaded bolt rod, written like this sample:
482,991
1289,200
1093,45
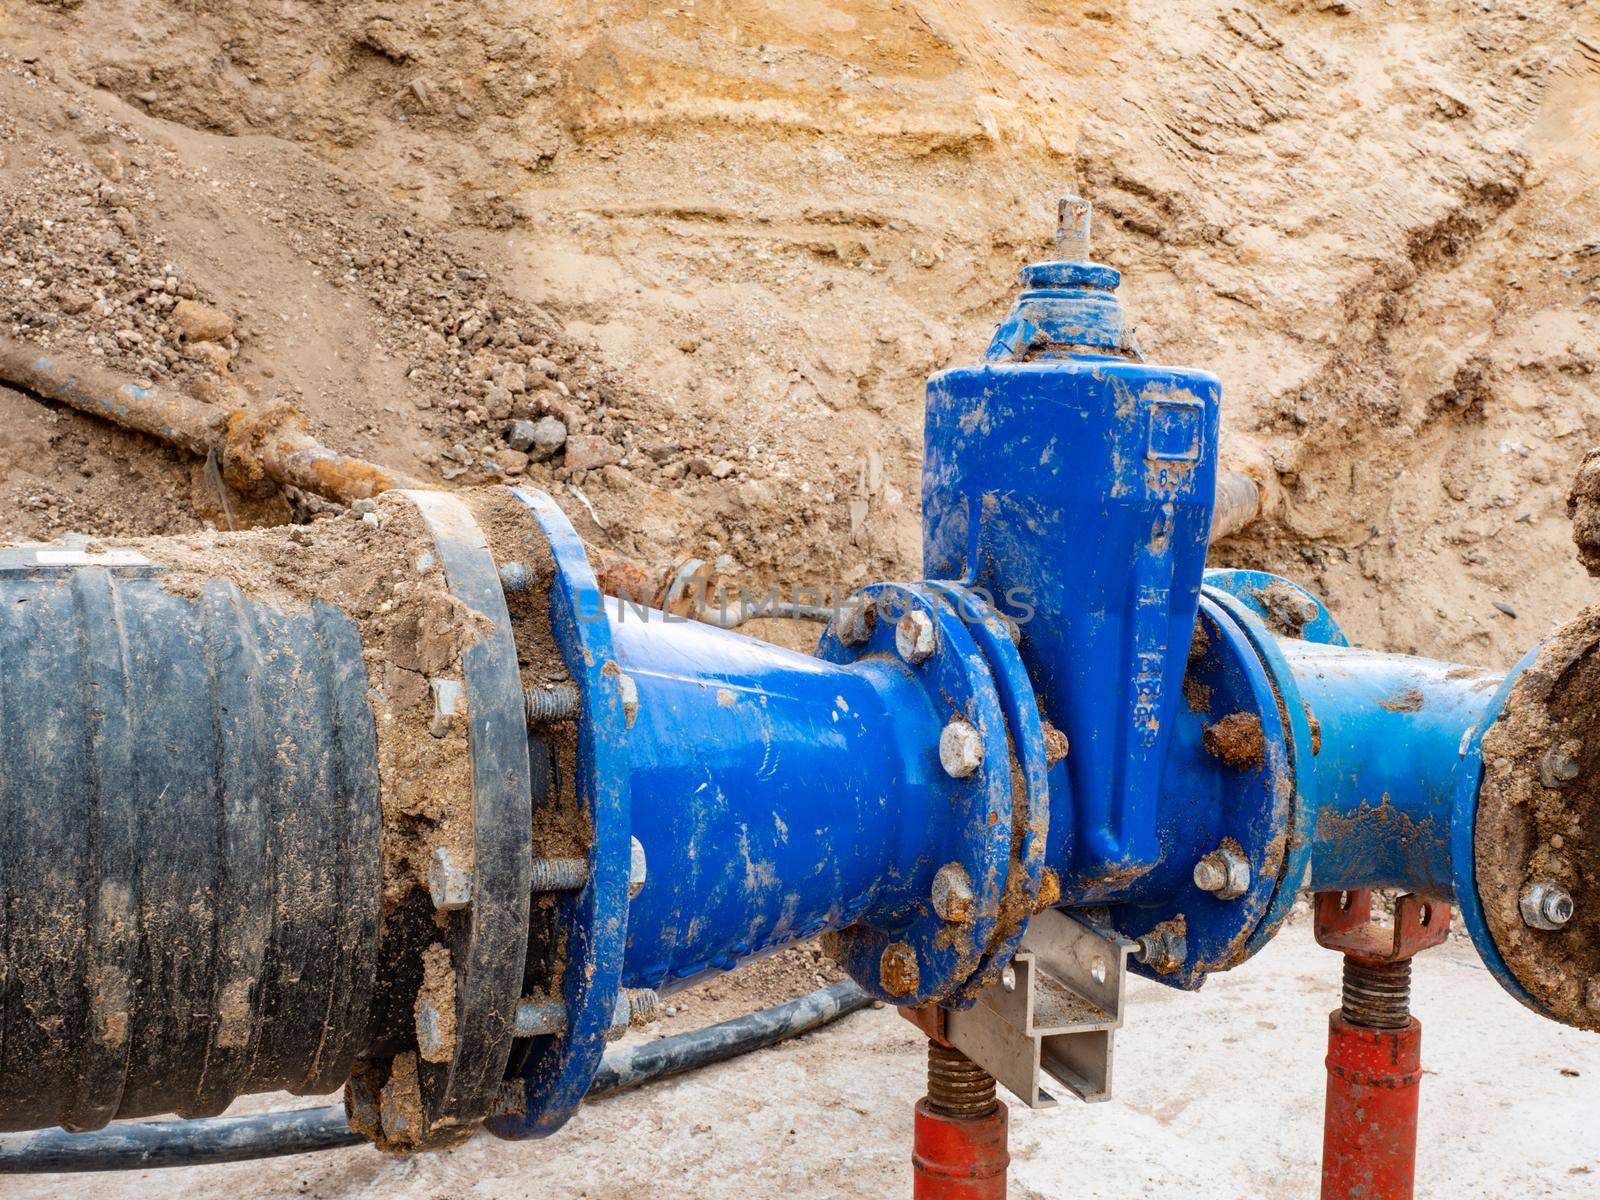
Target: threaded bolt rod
957,1086
1377,995
551,703
559,874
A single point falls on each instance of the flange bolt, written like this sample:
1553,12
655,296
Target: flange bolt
1225,873
952,894
1559,765
914,638
1163,950
1545,905
449,886
638,868
960,749
855,623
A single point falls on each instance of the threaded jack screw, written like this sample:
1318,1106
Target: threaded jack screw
1377,995
957,1086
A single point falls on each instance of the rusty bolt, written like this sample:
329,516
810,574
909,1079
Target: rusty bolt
1163,951
637,868
897,969
952,894
960,749
558,874
855,623
448,885
1591,995
1545,905
914,637
1225,873
635,1006
1558,766
536,1018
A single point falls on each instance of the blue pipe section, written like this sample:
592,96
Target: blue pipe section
1391,742
776,795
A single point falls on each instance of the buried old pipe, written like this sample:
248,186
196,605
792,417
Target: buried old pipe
268,445
257,446
1238,504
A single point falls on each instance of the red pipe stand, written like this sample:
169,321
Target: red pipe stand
1369,1135
959,1143
959,1158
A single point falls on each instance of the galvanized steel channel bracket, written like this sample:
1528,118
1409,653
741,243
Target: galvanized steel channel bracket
1055,1011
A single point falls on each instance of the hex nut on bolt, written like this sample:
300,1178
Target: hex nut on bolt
1164,951
1545,905
914,637
960,749
1558,766
856,622
1225,873
953,898
448,885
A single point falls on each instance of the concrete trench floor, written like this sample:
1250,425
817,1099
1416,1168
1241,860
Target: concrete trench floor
1219,1097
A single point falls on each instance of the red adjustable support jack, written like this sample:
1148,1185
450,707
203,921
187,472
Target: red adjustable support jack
1369,1137
959,1145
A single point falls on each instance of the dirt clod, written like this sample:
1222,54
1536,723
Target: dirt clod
1236,740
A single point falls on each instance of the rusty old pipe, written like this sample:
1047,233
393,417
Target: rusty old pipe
1239,503
267,445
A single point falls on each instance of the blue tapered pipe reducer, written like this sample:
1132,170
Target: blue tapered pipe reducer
928,932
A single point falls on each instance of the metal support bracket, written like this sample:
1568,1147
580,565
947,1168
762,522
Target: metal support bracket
1058,1015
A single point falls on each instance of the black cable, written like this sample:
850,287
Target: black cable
145,1145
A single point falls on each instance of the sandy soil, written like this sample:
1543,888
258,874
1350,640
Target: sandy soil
739,235
1219,1095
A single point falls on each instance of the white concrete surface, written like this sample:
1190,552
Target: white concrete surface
1219,1097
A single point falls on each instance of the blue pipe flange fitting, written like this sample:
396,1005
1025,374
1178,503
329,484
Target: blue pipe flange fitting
580,935
1301,780
1287,608
1030,886
1463,839
931,926
1224,808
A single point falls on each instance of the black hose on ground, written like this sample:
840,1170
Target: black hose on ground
141,1146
